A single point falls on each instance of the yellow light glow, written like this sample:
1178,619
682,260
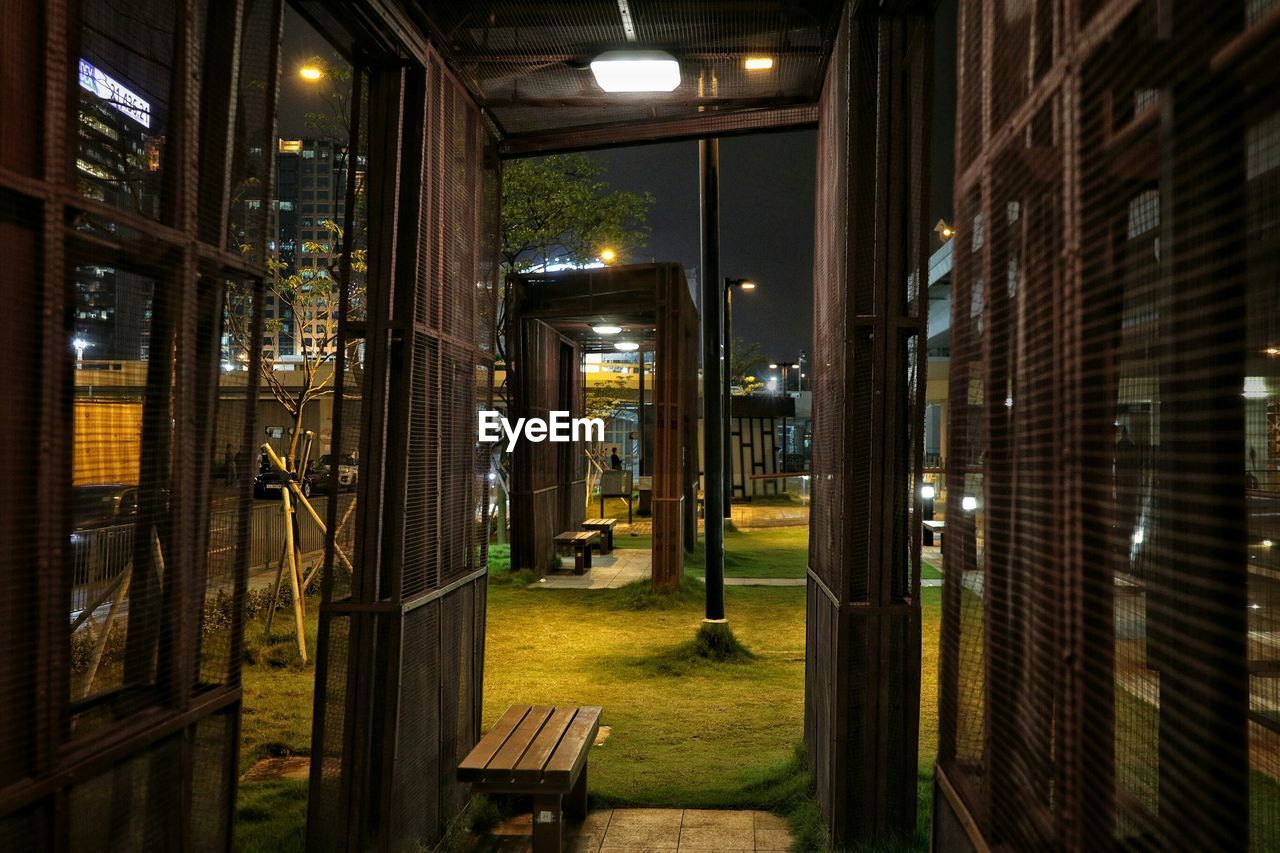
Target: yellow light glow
290,146
310,72
758,63
948,233
1272,351
608,255
748,285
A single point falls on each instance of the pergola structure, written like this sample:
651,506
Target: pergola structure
440,93
550,324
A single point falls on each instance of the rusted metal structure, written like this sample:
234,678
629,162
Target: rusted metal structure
123,170
1109,669
550,318
862,677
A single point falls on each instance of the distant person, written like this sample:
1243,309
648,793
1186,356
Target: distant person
615,461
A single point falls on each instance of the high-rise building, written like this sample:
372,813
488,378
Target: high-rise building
118,163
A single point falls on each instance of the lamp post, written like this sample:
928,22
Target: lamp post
729,285
712,387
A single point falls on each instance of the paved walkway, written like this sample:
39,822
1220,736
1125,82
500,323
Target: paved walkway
637,830
620,568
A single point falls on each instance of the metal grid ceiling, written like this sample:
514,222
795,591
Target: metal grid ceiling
527,63
1109,649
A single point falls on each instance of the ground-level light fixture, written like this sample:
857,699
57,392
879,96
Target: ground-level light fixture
636,71
608,255
311,72
606,329
758,63
969,504
626,346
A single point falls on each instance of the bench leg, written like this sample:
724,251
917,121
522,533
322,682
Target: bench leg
576,803
586,556
580,560
547,823
608,541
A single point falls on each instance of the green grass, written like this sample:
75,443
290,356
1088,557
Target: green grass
928,571
687,729
767,552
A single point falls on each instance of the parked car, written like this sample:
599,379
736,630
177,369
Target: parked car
270,484
348,472
103,505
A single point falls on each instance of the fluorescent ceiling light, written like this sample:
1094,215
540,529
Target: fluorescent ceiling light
758,63
626,346
606,329
636,71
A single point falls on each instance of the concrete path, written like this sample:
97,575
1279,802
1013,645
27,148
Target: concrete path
628,830
623,566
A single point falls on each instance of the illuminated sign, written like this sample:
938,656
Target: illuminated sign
115,93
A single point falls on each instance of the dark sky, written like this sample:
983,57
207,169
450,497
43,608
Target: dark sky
766,200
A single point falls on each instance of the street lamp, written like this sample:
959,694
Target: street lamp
608,255
80,345
729,285
311,72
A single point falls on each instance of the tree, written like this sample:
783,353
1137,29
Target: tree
312,299
558,210
744,358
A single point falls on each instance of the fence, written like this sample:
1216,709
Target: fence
100,555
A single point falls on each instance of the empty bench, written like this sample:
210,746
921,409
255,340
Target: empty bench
603,526
582,542
539,750
932,528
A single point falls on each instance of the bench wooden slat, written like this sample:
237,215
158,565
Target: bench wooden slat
576,744
518,741
529,769
580,536
472,767
600,522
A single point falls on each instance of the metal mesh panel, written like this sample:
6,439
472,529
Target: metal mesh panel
869,263
1107,647
422,733
401,646
118,671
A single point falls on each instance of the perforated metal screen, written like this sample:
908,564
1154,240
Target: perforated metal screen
863,643
405,644
125,537
1108,648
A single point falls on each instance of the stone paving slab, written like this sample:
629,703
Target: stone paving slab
623,566
667,830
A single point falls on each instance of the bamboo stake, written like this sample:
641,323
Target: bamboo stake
291,548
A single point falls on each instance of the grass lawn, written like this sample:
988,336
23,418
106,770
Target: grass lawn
765,552
928,571
685,731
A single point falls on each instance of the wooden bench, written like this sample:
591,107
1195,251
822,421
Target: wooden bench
604,526
582,542
932,527
539,750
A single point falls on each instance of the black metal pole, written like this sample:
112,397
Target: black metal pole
727,401
640,467
712,428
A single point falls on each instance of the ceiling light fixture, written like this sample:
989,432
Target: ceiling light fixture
626,346
606,329
636,71
758,63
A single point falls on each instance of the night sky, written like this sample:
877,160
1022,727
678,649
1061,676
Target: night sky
766,197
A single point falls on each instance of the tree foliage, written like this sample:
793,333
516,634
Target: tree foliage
557,209
745,359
